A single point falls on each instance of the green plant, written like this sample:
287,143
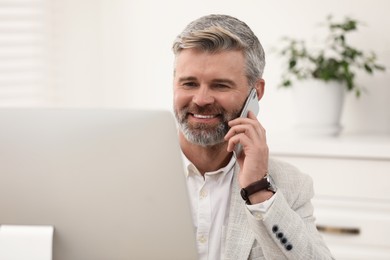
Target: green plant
336,60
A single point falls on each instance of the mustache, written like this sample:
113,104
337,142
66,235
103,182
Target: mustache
209,109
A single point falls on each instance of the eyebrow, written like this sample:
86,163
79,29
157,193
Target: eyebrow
224,81
191,78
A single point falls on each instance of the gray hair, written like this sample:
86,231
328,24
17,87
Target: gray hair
214,33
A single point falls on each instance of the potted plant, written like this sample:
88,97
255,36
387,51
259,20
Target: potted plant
330,69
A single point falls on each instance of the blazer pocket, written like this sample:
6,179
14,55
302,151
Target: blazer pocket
256,253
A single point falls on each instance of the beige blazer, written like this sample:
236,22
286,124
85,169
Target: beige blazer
286,231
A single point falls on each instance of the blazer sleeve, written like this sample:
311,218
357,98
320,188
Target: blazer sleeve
287,230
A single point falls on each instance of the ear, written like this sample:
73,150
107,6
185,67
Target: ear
260,88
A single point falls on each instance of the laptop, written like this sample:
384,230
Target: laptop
110,181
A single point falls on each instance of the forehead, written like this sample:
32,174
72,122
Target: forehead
192,62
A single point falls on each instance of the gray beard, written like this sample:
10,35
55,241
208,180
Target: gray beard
202,134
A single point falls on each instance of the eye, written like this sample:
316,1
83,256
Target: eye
190,84
221,86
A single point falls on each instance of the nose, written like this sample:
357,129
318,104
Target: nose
203,97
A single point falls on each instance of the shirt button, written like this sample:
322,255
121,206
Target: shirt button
202,239
258,216
203,194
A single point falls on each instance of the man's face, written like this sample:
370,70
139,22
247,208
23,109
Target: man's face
209,91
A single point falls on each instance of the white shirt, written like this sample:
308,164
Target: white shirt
210,201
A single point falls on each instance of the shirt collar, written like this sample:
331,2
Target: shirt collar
190,167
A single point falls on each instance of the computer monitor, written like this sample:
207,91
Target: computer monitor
110,181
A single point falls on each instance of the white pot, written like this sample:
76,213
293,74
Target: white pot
318,106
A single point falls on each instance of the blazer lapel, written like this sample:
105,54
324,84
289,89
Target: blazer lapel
239,238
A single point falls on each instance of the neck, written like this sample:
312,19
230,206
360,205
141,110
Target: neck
205,158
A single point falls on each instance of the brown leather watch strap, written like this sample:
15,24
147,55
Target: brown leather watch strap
257,186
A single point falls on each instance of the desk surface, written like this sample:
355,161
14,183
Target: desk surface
346,146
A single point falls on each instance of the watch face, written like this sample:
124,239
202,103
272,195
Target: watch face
244,194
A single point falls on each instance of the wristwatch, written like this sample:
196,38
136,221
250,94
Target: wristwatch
263,184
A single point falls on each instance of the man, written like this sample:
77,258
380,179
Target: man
218,60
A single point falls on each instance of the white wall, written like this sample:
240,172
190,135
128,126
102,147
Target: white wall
117,53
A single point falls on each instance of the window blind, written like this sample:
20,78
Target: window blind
24,52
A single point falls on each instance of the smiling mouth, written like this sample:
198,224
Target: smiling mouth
204,116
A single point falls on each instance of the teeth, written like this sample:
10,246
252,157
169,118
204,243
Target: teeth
204,116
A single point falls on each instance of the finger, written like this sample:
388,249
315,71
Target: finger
248,123
244,132
251,115
245,129
235,140
248,144
254,129
252,119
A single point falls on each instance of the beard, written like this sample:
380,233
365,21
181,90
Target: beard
205,134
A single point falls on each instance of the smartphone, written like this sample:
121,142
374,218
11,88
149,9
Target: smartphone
251,104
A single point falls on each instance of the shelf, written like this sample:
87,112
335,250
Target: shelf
373,147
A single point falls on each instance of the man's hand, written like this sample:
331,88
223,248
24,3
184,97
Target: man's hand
253,159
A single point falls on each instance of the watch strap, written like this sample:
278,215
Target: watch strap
257,186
